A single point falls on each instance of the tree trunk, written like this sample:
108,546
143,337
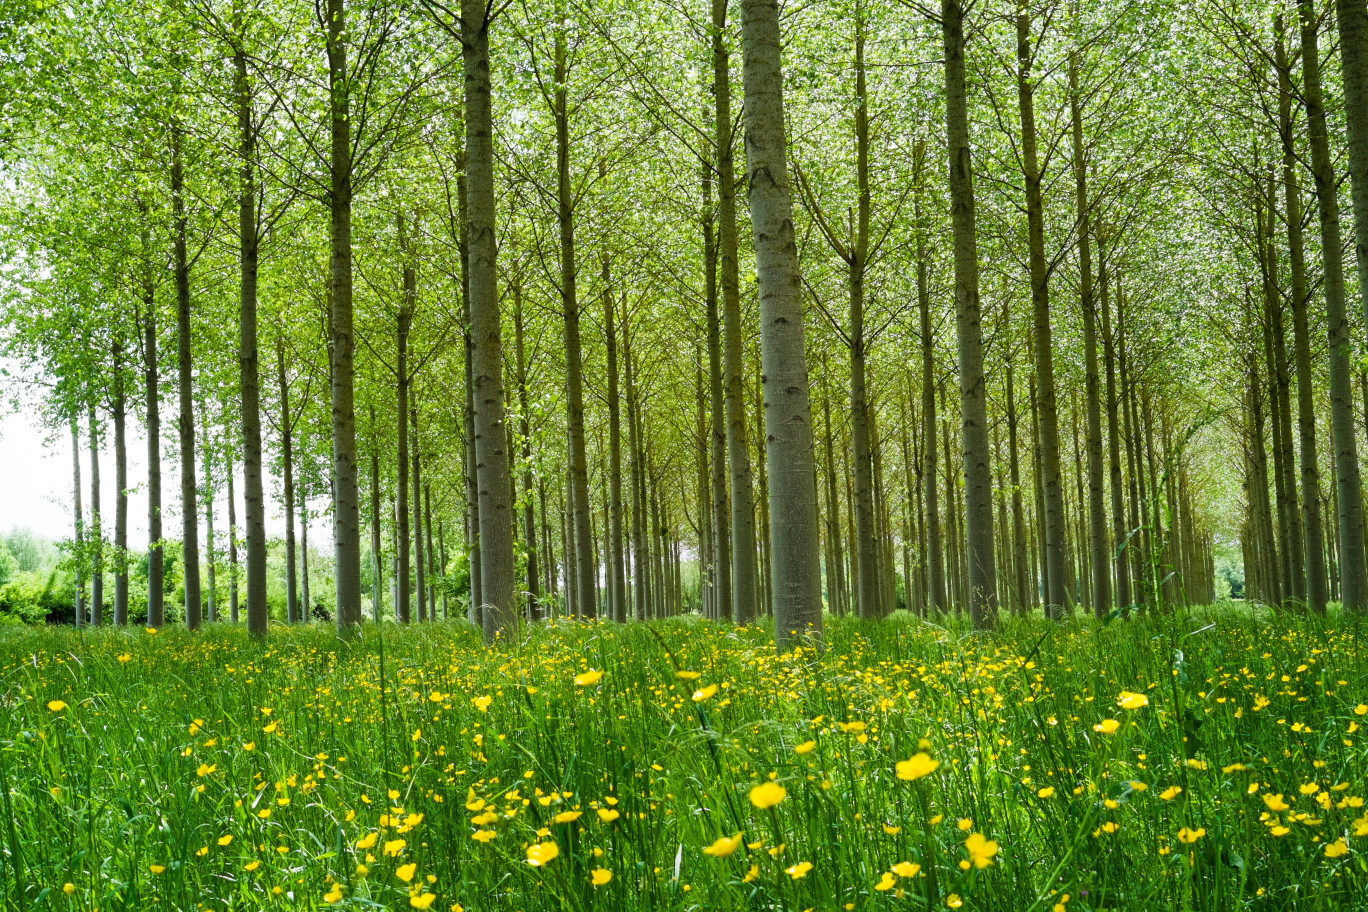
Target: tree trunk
796,592
346,494
120,411
232,539
743,563
433,570
254,499
1118,556
419,569
498,567
403,603
1317,585
978,480
634,443
1056,596
617,571
716,448
287,461
1348,485
1097,514
78,538
210,564
156,599
306,604
525,428
935,557
96,531
1024,602
186,420
376,580
1352,16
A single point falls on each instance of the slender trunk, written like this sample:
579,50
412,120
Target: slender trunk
232,539
419,570
796,588
1317,585
433,570
634,444
1289,511
1344,439
1118,554
306,604
210,563
617,571
185,379
96,531
1023,602
525,429
1056,596
403,604
254,498
1352,16
935,557
78,538
716,437
499,614
345,490
743,563
156,578
376,578
978,481
120,412
292,614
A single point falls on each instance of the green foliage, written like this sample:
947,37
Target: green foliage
420,769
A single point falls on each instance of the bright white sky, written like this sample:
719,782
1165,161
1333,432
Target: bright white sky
35,483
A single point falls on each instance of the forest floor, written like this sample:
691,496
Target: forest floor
1212,759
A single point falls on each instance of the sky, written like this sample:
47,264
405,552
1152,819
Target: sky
36,481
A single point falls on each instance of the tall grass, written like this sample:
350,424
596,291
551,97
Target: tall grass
420,770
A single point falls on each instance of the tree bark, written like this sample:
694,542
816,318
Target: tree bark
120,411
419,569
796,593
1317,584
156,599
233,606
346,494
254,499
1056,554
525,429
185,379
1348,486
743,562
978,480
287,461
1352,16
935,556
96,531
716,436
498,567
78,537
1117,485
1024,602
617,571
210,565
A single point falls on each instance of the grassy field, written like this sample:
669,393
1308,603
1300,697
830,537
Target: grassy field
1208,760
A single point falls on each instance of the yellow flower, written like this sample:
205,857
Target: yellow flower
365,842
226,840
1046,792
688,675
981,851
542,853
421,901
1309,788
483,835
887,882
406,872
125,657
251,865
704,693
906,869
249,746
608,815
600,876
1275,803
1279,830
920,765
724,846
1107,726
568,816
205,769
891,830
851,728
1173,791
805,748
1337,849
56,705
953,901
482,703
799,871
588,678
1361,826
68,888
1129,700
1187,836
333,895
767,794
1361,709
394,846
156,869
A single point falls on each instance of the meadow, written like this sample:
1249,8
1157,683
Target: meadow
1211,759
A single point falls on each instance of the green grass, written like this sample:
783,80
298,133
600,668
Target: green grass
305,748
